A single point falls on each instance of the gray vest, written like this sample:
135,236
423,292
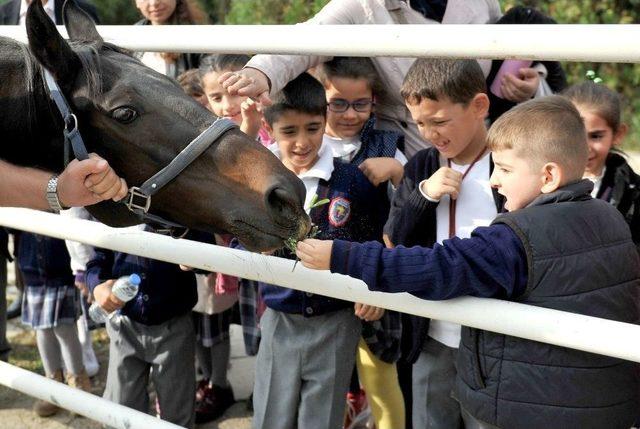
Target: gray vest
580,259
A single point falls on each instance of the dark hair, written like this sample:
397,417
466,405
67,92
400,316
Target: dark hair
351,68
191,83
304,94
606,103
187,12
434,79
525,15
222,62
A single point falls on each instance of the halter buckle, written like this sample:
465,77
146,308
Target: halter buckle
138,200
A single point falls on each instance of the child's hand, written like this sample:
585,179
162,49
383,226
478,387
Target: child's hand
445,181
251,117
105,298
315,254
84,290
522,87
379,170
368,313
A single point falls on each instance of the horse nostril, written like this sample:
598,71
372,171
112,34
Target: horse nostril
279,201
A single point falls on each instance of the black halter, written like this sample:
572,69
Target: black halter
138,199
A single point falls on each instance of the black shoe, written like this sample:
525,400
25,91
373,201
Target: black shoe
216,400
15,308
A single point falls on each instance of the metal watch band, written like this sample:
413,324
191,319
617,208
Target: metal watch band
52,194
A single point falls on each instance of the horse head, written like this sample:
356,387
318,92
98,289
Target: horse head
139,120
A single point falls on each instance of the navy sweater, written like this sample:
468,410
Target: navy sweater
351,214
491,263
165,291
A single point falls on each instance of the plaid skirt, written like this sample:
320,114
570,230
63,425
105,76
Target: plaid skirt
46,307
212,329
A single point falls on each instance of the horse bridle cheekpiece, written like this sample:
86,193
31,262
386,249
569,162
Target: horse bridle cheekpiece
138,200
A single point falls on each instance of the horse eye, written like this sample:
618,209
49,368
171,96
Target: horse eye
126,115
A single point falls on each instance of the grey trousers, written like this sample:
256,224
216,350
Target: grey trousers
5,348
167,353
434,376
303,369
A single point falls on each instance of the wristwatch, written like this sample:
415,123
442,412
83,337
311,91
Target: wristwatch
52,194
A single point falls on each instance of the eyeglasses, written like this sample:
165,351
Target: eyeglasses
340,105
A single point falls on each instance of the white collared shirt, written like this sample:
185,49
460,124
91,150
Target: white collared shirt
597,182
49,8
322,169
346,149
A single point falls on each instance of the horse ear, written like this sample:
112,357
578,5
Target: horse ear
48,46
79,24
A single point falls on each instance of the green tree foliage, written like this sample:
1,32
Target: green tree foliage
117,12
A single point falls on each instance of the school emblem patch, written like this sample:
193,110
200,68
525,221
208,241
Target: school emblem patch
339,211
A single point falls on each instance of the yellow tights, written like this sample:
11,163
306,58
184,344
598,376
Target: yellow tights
380,380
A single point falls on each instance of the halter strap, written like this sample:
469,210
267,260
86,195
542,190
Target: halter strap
138,199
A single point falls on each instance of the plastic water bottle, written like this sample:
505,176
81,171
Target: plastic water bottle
125,288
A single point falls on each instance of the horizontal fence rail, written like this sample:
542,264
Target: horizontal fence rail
80,402
535,323
585,42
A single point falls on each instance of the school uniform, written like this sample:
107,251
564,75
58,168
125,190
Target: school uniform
382,336
151,335
619,185
565,251
431,345
308,346
50,296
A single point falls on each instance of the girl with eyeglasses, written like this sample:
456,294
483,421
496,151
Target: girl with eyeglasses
351,86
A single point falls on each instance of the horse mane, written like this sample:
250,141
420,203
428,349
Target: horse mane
89,54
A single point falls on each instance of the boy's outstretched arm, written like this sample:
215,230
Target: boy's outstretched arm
492,263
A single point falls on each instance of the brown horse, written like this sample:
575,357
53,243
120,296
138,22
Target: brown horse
139,120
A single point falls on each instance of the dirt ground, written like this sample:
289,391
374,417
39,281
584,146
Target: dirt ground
16,408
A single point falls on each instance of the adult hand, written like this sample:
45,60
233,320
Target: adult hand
105,298
445,181
522,87
88,182
379,170
315,254
248,82
368,313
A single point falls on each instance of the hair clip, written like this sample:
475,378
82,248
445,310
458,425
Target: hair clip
591,75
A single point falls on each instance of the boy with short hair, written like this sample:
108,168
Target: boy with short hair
445,192
556,248
308,345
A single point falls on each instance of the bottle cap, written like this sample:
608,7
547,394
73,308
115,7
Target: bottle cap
134,279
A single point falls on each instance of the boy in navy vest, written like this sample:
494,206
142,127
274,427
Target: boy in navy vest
556,248
308,345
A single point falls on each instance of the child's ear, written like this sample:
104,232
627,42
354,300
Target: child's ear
552,177
267,128
619,135
480,103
